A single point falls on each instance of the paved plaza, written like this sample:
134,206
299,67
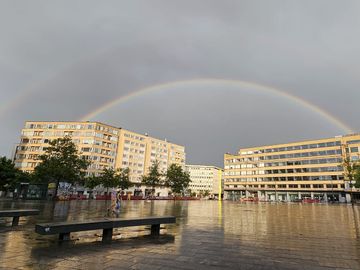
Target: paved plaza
208,235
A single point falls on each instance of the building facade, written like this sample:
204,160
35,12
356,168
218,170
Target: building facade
293,171
106,146
205,179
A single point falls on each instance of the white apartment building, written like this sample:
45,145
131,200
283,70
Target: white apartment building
205,179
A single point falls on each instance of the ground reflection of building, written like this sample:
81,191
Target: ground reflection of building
307,231
203,225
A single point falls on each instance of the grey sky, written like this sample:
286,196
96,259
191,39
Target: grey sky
66,58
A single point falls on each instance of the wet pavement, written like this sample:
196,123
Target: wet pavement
207,235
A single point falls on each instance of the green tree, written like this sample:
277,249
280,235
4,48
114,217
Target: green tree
9,175
61,162
124,180
177,179
153,178
92,181
351,172
108,179
357,176
25,177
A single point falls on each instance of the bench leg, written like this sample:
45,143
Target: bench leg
15,221
107,235
64,236
155,230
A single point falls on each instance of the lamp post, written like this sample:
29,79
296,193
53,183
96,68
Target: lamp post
348,168
276,196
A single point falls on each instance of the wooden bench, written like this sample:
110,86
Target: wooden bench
107,225
17,213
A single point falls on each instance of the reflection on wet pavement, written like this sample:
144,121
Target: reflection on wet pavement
208,235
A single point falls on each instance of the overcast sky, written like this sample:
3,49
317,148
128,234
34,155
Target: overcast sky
60,60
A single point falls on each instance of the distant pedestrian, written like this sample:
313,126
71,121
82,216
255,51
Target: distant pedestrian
111,210
118,203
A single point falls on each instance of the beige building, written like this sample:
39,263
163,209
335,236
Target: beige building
292,171
97,142
106,146
205,179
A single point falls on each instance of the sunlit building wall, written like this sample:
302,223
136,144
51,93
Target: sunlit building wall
205,179
138,152
292,171
96,141
106,146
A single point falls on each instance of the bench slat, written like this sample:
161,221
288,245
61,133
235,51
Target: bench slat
143,221
63,227
67,227
18,212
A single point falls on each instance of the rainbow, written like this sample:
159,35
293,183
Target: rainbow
234,83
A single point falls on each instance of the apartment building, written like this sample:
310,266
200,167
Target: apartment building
292,171
106,146
138,152
96,141
205,179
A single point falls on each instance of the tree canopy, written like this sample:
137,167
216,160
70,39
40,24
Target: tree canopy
61,162
124,180
153,178
352,172
177,179
357,177
110,178
92,181
10,176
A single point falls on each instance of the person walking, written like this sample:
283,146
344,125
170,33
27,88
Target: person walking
112,209
118,203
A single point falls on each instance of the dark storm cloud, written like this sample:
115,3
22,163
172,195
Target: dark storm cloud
72,56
